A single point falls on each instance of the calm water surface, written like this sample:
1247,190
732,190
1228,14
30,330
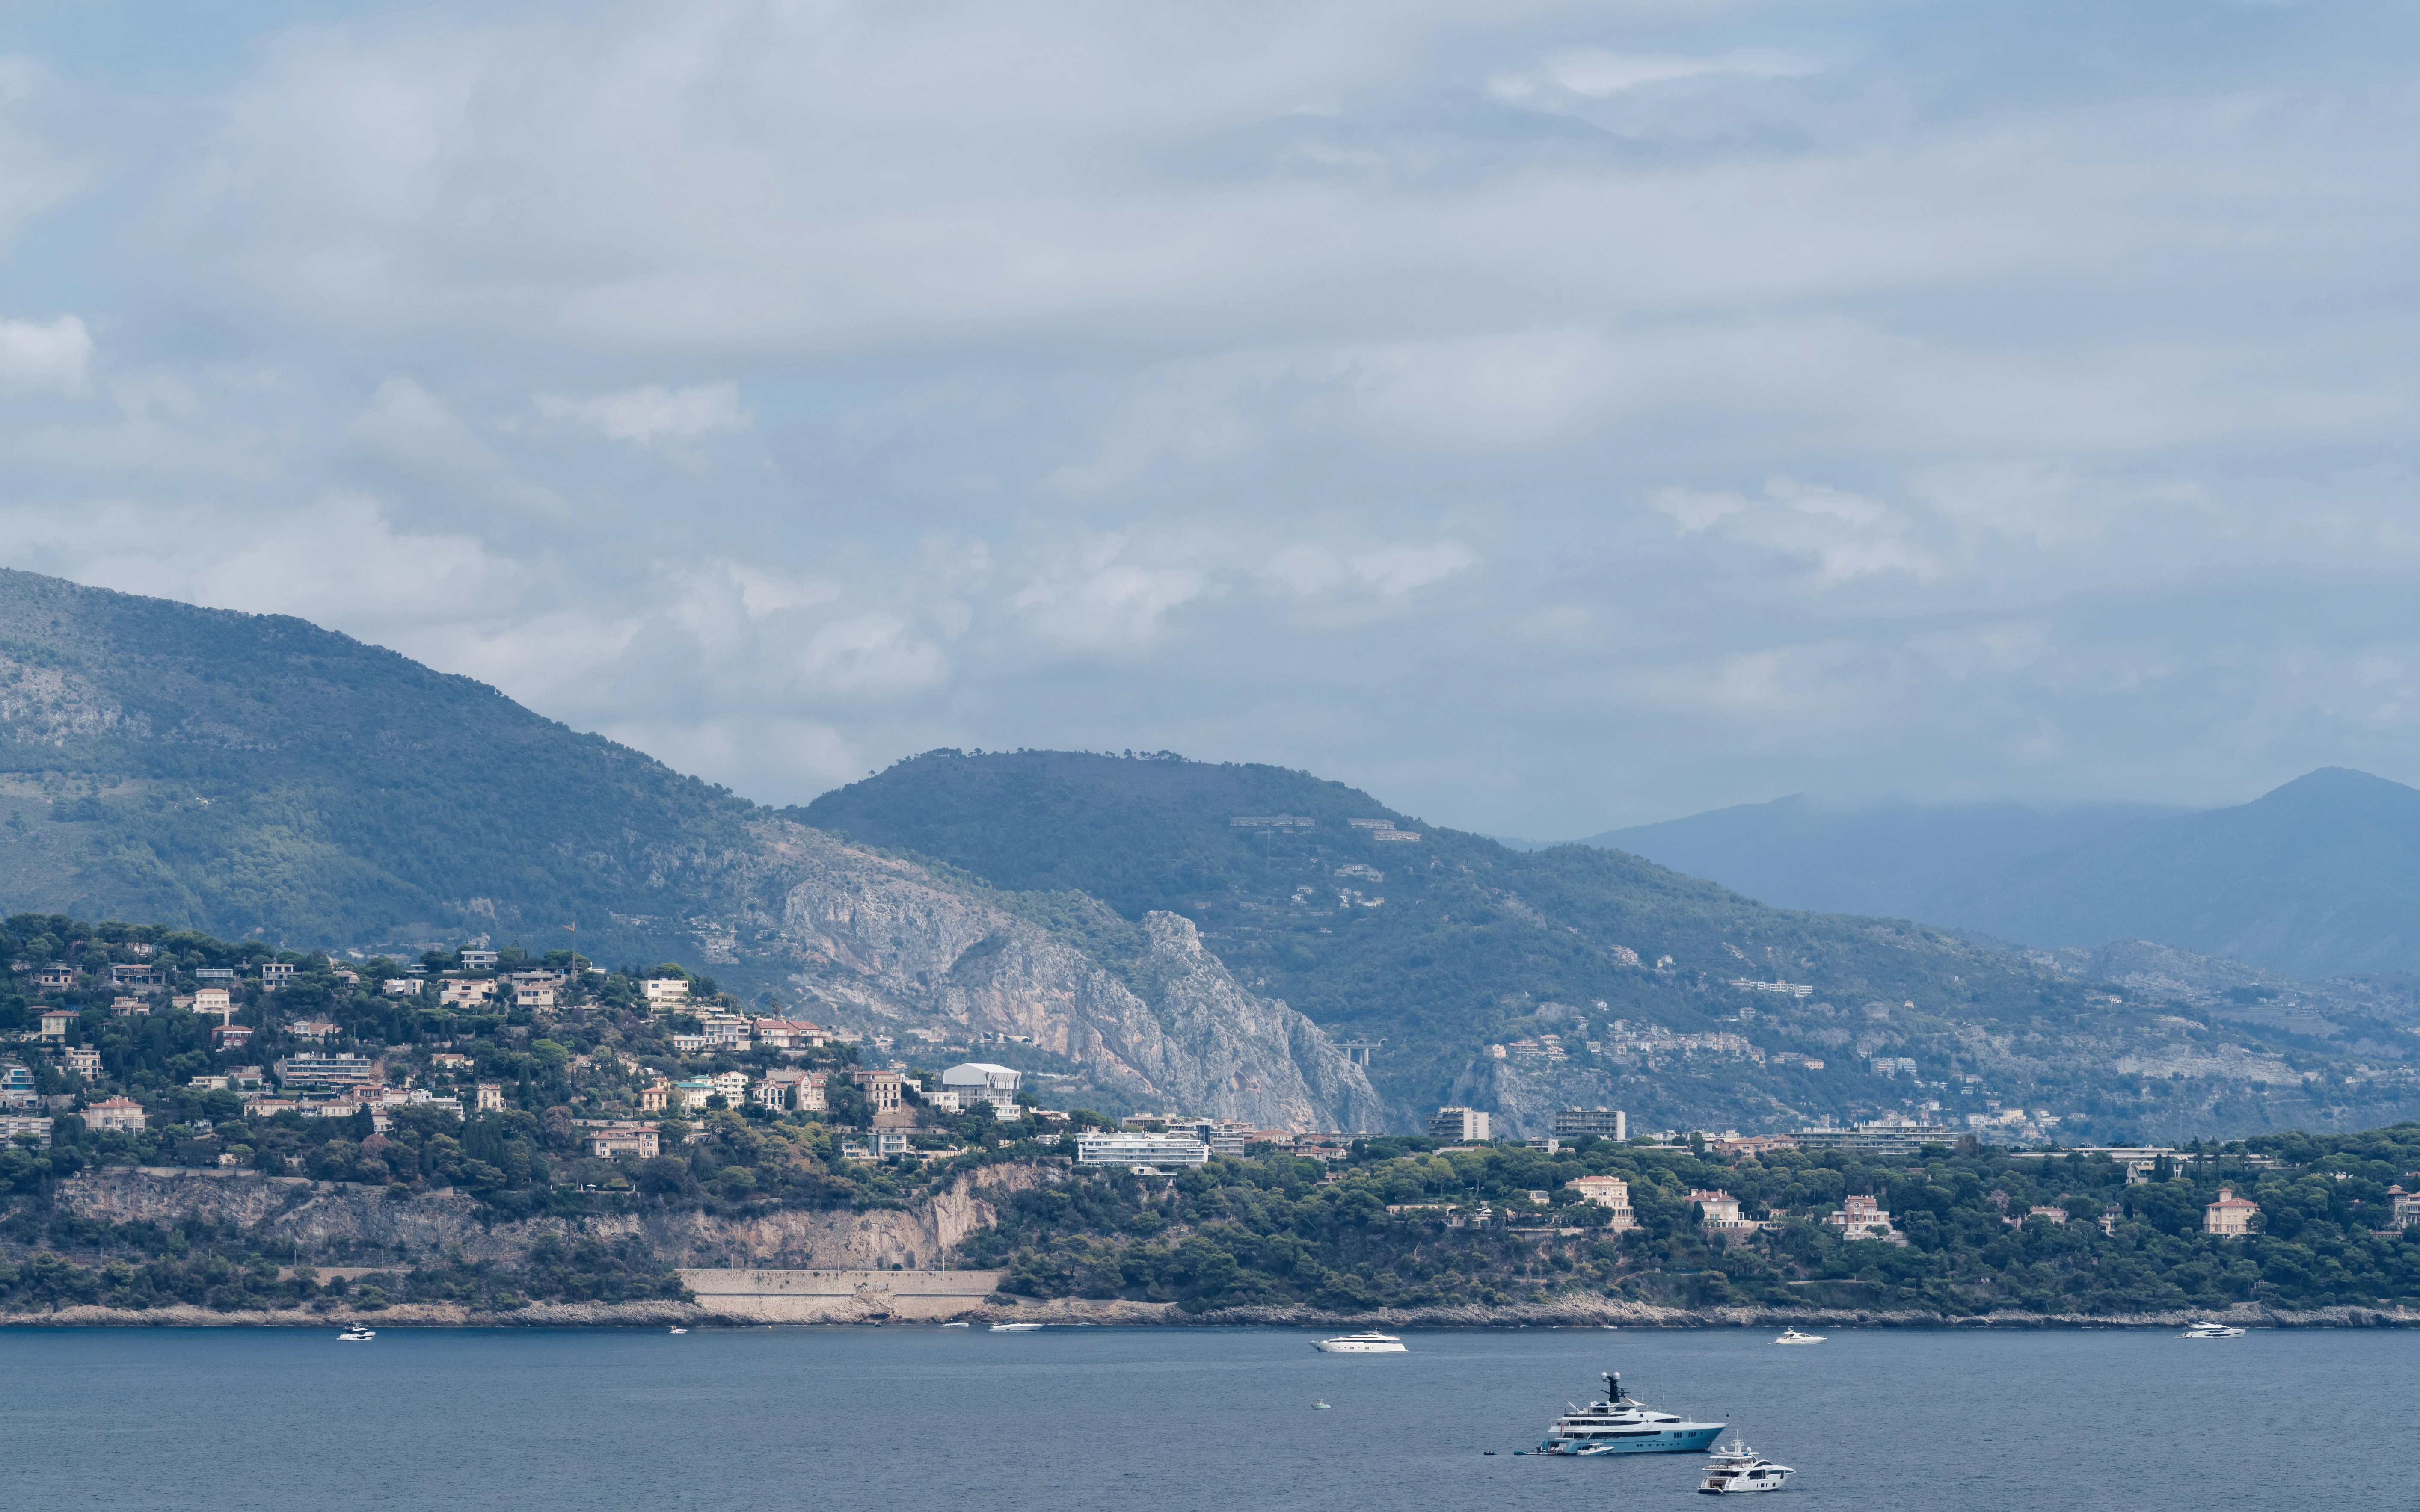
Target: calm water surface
1152,1420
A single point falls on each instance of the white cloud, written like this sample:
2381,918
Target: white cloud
1396,570
1781,396
1596,72
46,356
653,414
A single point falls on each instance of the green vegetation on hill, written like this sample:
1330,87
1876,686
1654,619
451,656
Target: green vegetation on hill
246,774
1447,944
1278,1231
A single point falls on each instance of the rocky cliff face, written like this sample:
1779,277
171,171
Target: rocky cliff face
884,941
339,1224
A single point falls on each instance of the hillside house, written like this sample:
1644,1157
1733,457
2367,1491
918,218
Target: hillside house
634,1140
656,1097
16,1085
689,1094
215,1000
84,1060
276,974
136,977
2230,1215
725,1028
55,979
118,1112
789,1034
1722,1212
468,992
1610,1191
56,1022
129,1007
490,1097
449,1061
665,994
2405,1207
400,987
478,959
788,1091
230,1036
318,1031
1861,1217
883,1088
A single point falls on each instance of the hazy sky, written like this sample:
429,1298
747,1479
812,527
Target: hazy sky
1545,416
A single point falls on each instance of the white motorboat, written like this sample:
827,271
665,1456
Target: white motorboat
1792,1335
2208,1329
357,1334
1369,1343
1320,1406
957,1325
1015,1328
1621,1424
678,1331
1735,1467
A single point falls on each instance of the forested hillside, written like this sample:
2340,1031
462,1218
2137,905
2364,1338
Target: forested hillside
1447,944
1973,1231
245,774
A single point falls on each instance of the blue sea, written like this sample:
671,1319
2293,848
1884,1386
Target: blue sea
1173,1420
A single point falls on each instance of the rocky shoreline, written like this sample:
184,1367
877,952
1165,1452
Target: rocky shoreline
1570,1313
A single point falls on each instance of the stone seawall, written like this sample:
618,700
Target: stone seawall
842,1296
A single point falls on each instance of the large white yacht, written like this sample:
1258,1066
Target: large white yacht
1371,1343
1792,1335
2208,1329
1735,1467
1622,1424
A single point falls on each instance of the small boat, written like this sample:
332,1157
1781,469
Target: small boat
2208,1329
1015,1328
1735,1467
680,1331
1792,1335
1319,1407
1369,1343
357,1334
956,1325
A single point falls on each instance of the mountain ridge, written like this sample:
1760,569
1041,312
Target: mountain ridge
1136,921
2320,877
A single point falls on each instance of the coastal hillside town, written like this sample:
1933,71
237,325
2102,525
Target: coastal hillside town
253,1058
537,1086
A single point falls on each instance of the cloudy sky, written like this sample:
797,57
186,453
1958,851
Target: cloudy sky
1547,416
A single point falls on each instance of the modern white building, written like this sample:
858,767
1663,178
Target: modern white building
1600,1124
1458,1123
980,1081
1105,1148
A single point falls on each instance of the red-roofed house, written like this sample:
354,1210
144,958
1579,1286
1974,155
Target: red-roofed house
2229,1216
115,1113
